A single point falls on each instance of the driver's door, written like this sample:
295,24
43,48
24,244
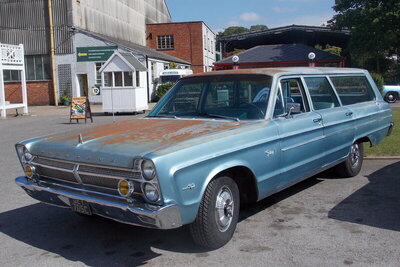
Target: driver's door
301,134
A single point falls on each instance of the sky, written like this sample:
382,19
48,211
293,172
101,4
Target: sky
220,14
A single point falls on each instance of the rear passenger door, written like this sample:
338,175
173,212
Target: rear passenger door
301,133
355,93
337,120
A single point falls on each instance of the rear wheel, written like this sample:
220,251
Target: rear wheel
391,97
353,163
218,214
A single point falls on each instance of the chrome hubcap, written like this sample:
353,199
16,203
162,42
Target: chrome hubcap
390,97
354,155
224,207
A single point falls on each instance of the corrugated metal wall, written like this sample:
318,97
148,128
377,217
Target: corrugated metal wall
27,22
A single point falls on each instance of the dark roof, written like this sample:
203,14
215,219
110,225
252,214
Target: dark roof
280,53
133,61
146,51
279,30
308,35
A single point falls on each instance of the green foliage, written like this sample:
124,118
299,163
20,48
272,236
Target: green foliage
233,30
259,27
378,79
330,49
375,31
65,98
163,88
390,145
172,65
237,51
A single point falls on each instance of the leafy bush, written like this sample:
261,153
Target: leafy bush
378,79
163,88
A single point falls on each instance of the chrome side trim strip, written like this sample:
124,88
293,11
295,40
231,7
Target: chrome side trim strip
302,144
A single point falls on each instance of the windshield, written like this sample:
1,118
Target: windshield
236,97
170,78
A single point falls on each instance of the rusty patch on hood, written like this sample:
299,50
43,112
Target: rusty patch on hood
141,131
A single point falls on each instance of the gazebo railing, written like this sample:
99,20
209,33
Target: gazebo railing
11,54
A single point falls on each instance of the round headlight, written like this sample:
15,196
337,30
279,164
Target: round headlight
148,169
29,171
151,192
125,188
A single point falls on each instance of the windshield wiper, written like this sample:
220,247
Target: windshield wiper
209,115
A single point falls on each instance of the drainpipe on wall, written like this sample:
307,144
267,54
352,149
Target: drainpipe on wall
52,52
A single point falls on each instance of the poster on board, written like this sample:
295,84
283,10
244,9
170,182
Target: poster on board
80,109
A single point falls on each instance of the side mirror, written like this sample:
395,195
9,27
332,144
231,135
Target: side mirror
293,108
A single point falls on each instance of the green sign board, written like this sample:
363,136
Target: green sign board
94,53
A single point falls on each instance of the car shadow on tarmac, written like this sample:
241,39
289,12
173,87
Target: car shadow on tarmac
376,204
98,241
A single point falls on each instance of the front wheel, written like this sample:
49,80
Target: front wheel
391,97
353,163
218,214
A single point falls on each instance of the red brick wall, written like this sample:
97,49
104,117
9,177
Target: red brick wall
188,41
39,93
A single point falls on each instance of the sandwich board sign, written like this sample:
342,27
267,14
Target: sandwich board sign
80,109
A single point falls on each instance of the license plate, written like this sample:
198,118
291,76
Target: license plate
80,206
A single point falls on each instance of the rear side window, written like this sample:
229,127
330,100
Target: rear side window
321,92
353,89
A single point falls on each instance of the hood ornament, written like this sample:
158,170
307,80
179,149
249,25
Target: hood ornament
80,139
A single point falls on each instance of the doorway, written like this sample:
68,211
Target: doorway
83,84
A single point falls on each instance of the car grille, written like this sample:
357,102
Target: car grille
84,175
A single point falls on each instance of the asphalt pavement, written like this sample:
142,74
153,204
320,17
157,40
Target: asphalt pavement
323,221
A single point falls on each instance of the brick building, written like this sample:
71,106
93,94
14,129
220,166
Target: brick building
190,41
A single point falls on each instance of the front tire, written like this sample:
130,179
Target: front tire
353,163
391,97
218,214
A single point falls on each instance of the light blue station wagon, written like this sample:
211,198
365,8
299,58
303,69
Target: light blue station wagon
214,141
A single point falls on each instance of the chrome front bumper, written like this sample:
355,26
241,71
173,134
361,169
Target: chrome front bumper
136,213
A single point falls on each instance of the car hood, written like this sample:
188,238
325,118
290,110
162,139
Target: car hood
116,143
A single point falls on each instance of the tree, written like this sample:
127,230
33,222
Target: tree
330,49
233,30
259,27
374,25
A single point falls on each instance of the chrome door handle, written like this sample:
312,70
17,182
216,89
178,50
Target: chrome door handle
348,114
317,120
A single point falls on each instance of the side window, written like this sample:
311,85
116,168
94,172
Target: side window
353,89
321,92
291,93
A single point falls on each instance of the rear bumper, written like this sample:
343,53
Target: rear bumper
141,214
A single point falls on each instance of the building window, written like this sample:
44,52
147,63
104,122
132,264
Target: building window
37,68
128,79
118,79
165,42
98,74
137,79
11,76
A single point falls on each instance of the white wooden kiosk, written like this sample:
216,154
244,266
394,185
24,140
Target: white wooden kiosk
123,84
12,58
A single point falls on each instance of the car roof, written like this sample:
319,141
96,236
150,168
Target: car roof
285,71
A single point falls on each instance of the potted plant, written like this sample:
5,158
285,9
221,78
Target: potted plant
65,99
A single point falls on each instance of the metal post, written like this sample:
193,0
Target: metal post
52,52
23,83
2,93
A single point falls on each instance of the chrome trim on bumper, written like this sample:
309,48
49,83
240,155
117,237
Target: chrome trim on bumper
136,213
